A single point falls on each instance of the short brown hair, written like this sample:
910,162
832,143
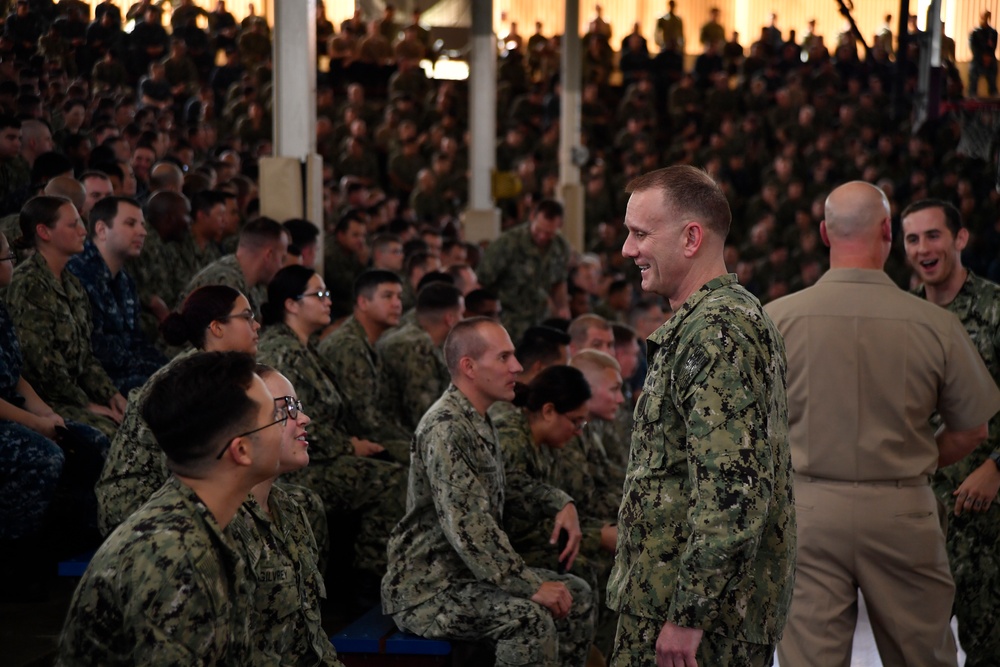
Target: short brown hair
691,192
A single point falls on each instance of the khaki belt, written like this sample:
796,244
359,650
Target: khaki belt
921,480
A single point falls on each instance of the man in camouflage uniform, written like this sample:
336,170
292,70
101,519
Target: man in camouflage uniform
414,374
200,246
604,377
702,572
868,366
350,352
117,233
452,571
154,271
344,255
527,269
934,237
14,172
168,586
260,254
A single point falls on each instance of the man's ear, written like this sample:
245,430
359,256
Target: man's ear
962,239
693,237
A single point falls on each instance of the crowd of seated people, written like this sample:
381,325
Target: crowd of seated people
128,194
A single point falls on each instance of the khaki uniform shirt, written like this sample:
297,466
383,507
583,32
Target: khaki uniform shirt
869,365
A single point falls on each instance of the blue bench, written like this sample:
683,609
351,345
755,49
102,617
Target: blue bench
375,634
75,567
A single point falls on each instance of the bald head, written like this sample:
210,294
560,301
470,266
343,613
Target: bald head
68,187
166,176
855,210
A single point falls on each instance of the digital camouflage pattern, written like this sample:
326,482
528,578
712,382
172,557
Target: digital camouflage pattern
706,530
281,555
344,481
189,259
340,268
530,532
154,273
52,318
414,375
358,370
608,477
33,465
973,537
522,275
452,570
117,338
136,466
619,435
166,588
15,177
227,271
637,636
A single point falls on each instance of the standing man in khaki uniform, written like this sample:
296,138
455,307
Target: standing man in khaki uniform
868,365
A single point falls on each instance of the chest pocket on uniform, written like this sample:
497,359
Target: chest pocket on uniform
647,431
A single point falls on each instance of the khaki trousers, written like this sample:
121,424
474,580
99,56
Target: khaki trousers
885,539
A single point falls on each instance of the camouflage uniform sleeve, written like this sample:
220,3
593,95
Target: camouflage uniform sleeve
573,474
466,517
320,398
731,475
358,385
94,379
525,493
135,468
43,331
417,378
559,263
491,267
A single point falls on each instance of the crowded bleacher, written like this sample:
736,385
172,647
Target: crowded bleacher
131,241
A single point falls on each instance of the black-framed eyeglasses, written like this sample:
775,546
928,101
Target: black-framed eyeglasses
245,315
292,406
321,294
290,410
12,257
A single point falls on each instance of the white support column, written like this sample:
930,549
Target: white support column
482,219
571,80
295,79
291,181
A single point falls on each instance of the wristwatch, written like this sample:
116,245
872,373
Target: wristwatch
995,457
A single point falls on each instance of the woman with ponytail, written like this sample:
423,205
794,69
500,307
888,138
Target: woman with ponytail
551,410
51,312
214,318
341,469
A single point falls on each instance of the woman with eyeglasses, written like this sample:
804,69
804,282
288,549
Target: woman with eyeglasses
273,532
549,412
215,318
51,312
341,470
34,470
